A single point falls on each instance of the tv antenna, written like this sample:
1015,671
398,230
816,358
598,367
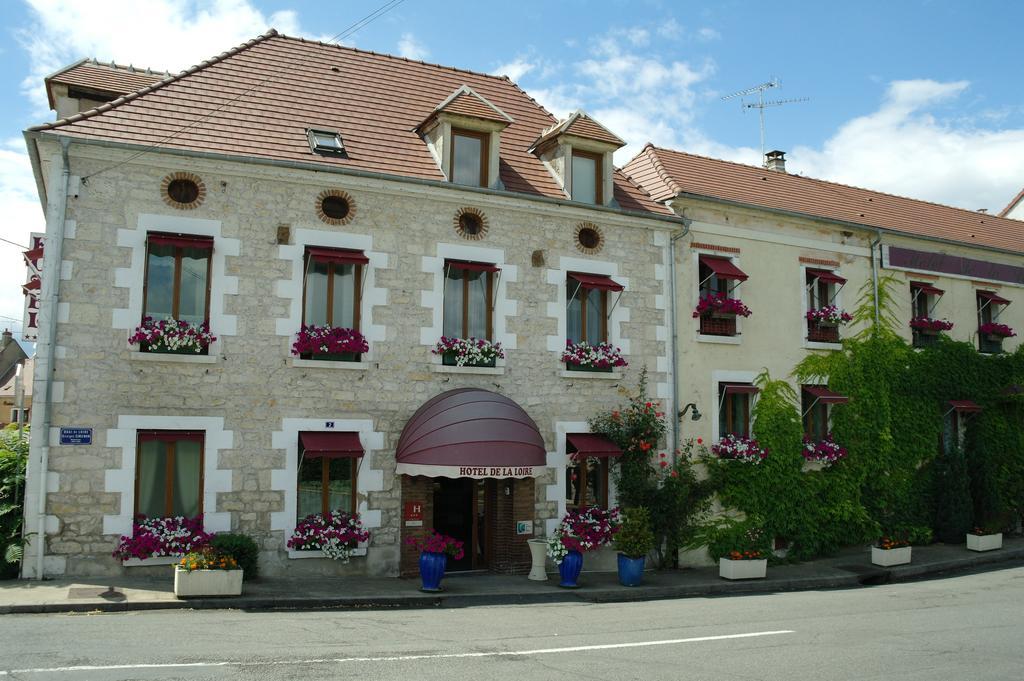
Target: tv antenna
760,104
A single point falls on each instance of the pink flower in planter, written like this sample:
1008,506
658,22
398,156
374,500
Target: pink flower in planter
322,340
996,329
720,303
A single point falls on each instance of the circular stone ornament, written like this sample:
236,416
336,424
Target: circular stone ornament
335,207
471,223
589,238
183,190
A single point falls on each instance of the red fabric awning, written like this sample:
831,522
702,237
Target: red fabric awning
181,240
342,256
33,284
964,406
824,395
471,433
330,445
740,389
171,435
723,267
33,254
590,445
471,266
926,288
993,297
599,281
827,275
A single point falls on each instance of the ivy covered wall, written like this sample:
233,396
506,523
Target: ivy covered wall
896,478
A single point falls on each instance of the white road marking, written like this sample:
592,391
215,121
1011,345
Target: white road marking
395,658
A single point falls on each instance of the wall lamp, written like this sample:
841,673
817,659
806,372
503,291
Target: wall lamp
695,412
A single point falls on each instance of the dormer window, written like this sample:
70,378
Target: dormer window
587,177
325,142
578,153
469,157
463,134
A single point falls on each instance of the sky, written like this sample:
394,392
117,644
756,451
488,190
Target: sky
922,98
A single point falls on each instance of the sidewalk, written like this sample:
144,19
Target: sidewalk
850,568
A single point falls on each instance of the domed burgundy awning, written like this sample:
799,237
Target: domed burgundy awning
470,433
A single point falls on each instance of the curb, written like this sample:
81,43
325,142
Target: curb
852,576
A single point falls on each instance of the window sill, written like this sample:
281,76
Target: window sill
302,555
608,376
328,364
173,359
158,560
818,345
480,371
722,340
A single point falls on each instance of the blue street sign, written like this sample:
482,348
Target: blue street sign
76,436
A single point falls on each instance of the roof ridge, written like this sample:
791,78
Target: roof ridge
131,68
107,106
1013,202
832,183
392,56
649,151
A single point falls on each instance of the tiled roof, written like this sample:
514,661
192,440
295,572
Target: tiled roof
581,125
258,99
466,102
1017,199
112,79
665,174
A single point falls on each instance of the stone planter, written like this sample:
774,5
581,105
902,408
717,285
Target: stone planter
985,542
593,369
742,569
332,356
538,556
889,557
207,583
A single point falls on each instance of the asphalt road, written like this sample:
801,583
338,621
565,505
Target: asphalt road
959,628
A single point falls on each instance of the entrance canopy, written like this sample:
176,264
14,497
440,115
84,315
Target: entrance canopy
470,433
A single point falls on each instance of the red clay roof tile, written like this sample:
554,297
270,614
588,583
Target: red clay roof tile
259,98
665,174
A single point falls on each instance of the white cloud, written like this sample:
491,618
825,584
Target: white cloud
161,34
515,69
905,148
708,34
670,28
410,48
22,214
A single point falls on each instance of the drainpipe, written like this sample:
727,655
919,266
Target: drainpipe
54,247
874,271
674,343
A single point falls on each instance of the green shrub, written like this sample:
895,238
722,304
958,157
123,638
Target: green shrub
243,549
13,460
635,537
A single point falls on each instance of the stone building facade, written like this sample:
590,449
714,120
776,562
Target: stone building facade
249,399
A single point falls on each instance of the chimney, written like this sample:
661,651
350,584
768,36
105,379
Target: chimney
775,160
8,337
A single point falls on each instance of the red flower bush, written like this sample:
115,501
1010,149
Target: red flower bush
994,329
438,543
929,324
321,340
155,537
720,303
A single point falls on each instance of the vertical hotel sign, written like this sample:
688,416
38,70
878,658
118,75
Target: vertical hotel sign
33,288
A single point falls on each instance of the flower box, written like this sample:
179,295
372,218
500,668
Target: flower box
822,332
742,569
451,359
889,557
588,368
713,325
984,542
172,337
330,343
207,583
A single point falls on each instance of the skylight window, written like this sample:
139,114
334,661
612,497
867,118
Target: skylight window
326,142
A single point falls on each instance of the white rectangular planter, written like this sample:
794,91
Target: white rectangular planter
207,583
742,569
985,542
889,557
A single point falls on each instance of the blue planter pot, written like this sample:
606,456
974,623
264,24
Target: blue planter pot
432,567
569,569
631,570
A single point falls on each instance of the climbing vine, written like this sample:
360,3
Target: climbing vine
899,477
